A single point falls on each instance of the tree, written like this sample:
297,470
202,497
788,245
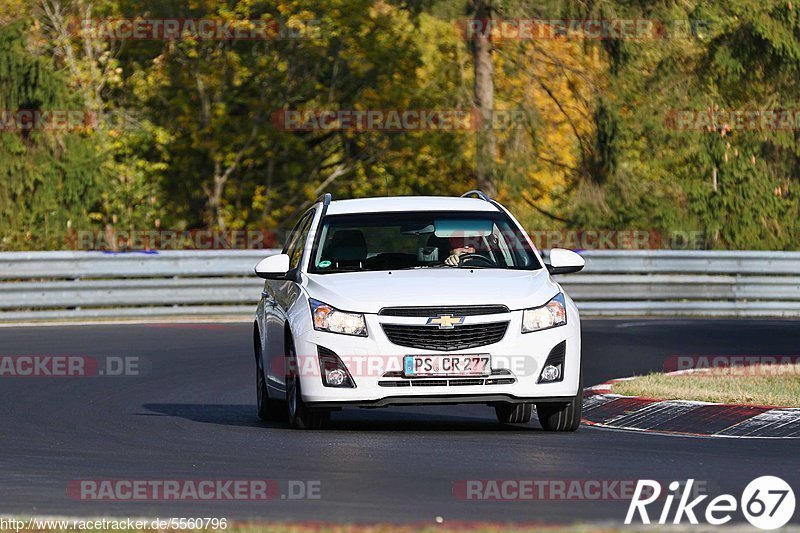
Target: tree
484,98
48,176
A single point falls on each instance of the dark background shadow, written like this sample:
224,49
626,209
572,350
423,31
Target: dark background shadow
385,419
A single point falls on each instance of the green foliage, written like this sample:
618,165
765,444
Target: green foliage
739,186
186,136
48,179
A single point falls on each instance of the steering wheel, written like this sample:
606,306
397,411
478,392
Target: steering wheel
475,257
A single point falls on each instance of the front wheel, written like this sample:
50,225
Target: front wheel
561,416
509,413
299,414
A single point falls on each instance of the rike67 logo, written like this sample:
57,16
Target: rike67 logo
767,503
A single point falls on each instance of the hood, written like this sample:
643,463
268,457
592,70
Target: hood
369,292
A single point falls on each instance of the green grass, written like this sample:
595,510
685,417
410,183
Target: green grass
776,385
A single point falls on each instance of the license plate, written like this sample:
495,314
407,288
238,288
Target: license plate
415,366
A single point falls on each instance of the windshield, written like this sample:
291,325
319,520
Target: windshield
394,241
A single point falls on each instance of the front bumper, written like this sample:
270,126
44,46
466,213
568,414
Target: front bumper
522,355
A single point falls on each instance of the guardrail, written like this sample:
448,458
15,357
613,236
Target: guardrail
687,283
102,285
99,285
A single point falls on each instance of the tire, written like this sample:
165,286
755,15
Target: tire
299,414
268,409
510,413
562,416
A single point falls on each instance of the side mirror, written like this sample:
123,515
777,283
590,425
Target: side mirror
564,261
273,267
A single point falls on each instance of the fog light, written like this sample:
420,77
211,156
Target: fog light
333,373
335,377
550,373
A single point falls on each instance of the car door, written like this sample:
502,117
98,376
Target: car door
279,296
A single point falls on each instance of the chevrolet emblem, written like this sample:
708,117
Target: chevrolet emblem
445,321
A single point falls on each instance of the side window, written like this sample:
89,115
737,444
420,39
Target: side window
502,246
297,240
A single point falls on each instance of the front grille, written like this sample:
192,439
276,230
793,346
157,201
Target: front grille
465,382
470,310
394,384
433,338
500,381
430,383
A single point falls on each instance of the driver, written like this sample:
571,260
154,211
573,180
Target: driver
459,247
454,260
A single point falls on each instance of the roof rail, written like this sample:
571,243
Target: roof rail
325,199
477,193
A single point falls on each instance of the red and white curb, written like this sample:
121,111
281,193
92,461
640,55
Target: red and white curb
604,409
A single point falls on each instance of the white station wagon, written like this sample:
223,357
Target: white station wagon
415,301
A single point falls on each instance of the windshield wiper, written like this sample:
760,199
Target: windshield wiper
346,269
436,265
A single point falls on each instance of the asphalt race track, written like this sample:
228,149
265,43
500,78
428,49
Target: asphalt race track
192,416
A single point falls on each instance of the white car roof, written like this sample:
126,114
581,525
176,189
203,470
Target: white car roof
408,203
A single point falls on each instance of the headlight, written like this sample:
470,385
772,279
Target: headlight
550,315
328,318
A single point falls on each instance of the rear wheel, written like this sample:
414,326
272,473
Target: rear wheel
268,409
299,414
562,416
510,413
